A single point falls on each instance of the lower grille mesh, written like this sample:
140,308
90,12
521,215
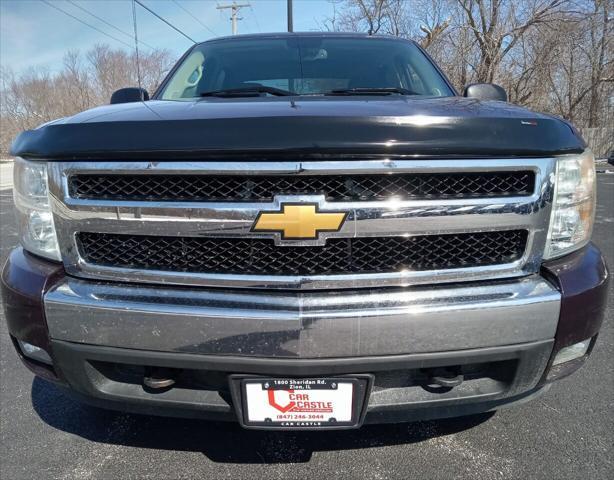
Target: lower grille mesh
338,256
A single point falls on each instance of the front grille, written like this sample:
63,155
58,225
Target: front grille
226,188
338,256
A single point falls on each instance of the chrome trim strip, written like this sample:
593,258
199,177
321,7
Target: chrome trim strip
327,167
234,219
303,324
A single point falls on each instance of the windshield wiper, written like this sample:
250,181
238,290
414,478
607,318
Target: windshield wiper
251,91
371,91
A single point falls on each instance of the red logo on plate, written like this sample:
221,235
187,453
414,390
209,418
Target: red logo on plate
299,402
274,404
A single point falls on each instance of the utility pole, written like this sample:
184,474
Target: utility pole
290,19
234,11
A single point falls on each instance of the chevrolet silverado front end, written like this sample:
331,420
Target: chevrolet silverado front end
291,237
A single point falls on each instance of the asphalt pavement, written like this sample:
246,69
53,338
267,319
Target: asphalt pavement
566,434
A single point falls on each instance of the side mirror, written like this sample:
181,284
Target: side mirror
485,91
130,94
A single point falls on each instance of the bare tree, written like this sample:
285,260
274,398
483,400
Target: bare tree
600,56
433,18
365,15
37,96
577,65
400,18
498,25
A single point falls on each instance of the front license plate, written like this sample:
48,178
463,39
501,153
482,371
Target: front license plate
301,403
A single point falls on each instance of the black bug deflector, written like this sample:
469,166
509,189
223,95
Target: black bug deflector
269,128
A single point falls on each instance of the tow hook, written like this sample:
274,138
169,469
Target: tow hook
445,378
159,378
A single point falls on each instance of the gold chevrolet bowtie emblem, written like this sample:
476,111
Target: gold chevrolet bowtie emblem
299,221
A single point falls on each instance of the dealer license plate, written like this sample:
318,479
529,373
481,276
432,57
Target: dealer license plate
301,403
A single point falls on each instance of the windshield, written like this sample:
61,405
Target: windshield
305,66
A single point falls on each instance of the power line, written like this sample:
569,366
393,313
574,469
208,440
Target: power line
165,21
107,23
194,16
255,18
85,23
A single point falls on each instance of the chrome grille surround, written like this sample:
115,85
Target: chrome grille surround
392,217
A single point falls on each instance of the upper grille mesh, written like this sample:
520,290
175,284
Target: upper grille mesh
338,256
226,188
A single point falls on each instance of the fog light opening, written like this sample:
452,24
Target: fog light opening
572,352
34,352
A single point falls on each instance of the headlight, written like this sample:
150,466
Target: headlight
573,208
34,218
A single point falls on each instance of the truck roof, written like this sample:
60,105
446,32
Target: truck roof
303,34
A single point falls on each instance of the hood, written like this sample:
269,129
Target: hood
261,127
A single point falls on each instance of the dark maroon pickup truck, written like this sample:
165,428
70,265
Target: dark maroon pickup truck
305,231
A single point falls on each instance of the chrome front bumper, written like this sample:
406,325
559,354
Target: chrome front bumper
502,336
303,325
